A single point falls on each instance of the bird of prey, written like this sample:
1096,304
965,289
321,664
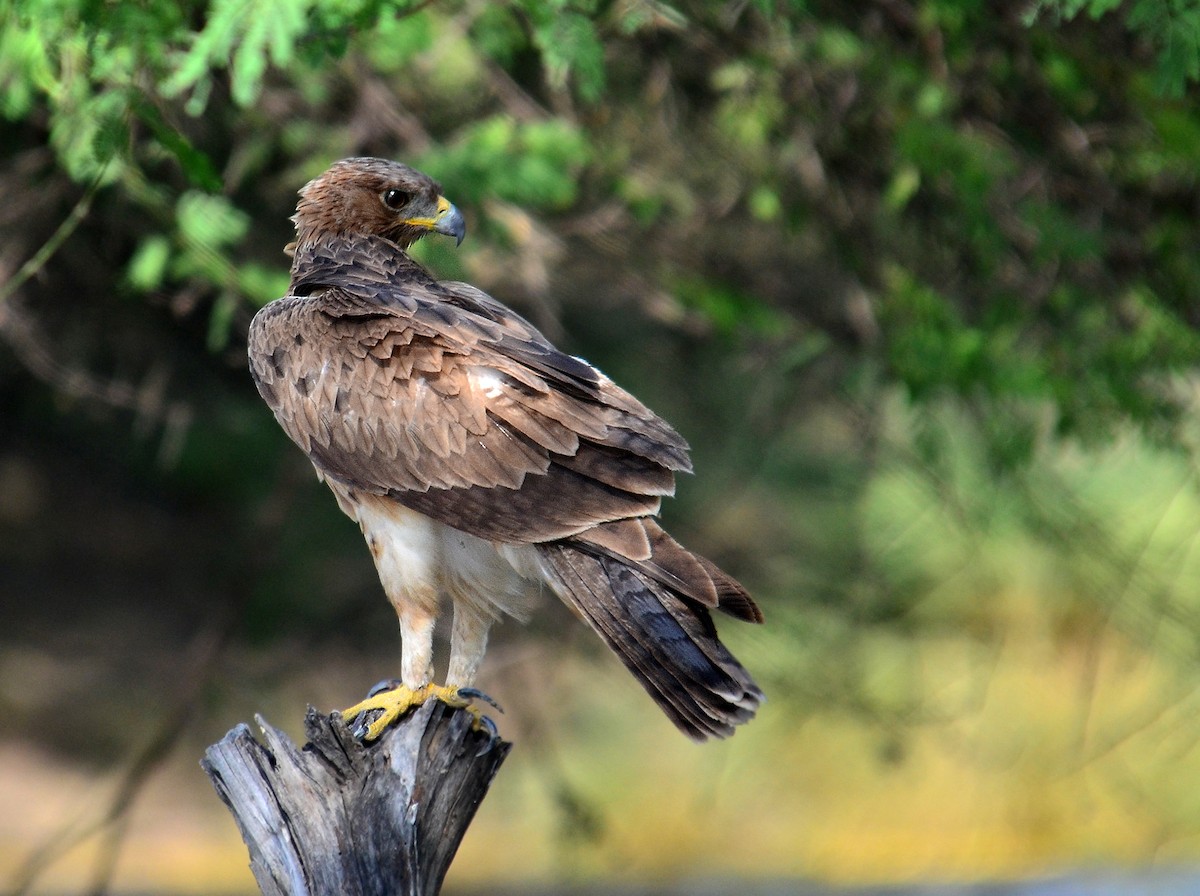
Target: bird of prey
481,462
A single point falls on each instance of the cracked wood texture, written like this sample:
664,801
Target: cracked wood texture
337,817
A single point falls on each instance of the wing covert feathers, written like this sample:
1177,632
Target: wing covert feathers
645,545
439,396
667,641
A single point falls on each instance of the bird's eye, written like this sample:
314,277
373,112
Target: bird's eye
394,199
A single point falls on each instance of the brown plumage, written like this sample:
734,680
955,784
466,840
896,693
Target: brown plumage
479,460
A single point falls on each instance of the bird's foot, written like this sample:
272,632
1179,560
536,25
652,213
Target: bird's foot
482,722
384,704
389,700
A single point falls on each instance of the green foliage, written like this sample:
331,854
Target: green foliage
243,35
1014,223
569,44
114,87
119,86
1171,26
528,163
731,311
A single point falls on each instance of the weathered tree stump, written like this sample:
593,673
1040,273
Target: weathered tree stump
337,817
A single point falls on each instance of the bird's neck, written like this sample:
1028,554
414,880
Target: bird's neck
346,260
360,250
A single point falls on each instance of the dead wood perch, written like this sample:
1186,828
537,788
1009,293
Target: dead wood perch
339,818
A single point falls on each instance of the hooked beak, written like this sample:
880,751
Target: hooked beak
449,220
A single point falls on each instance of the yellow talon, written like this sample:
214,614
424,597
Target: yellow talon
395,702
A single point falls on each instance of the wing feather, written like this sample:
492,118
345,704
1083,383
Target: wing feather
441,397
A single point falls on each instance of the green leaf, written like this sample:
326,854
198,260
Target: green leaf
91,135
25,69
262,284
220,321
731,310
148,266
395,42
905,182
210,221
244,36
570,47
765,204
527,163
197,166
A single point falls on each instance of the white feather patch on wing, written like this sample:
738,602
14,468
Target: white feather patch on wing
486,381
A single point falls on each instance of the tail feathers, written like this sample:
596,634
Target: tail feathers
642,542
732,598
668,642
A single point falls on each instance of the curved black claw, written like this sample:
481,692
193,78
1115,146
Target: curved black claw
493,734
388,684
476,694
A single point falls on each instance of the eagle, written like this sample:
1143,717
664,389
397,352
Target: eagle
481,463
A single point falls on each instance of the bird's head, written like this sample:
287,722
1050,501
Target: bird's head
375,197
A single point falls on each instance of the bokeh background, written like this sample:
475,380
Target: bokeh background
916,278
